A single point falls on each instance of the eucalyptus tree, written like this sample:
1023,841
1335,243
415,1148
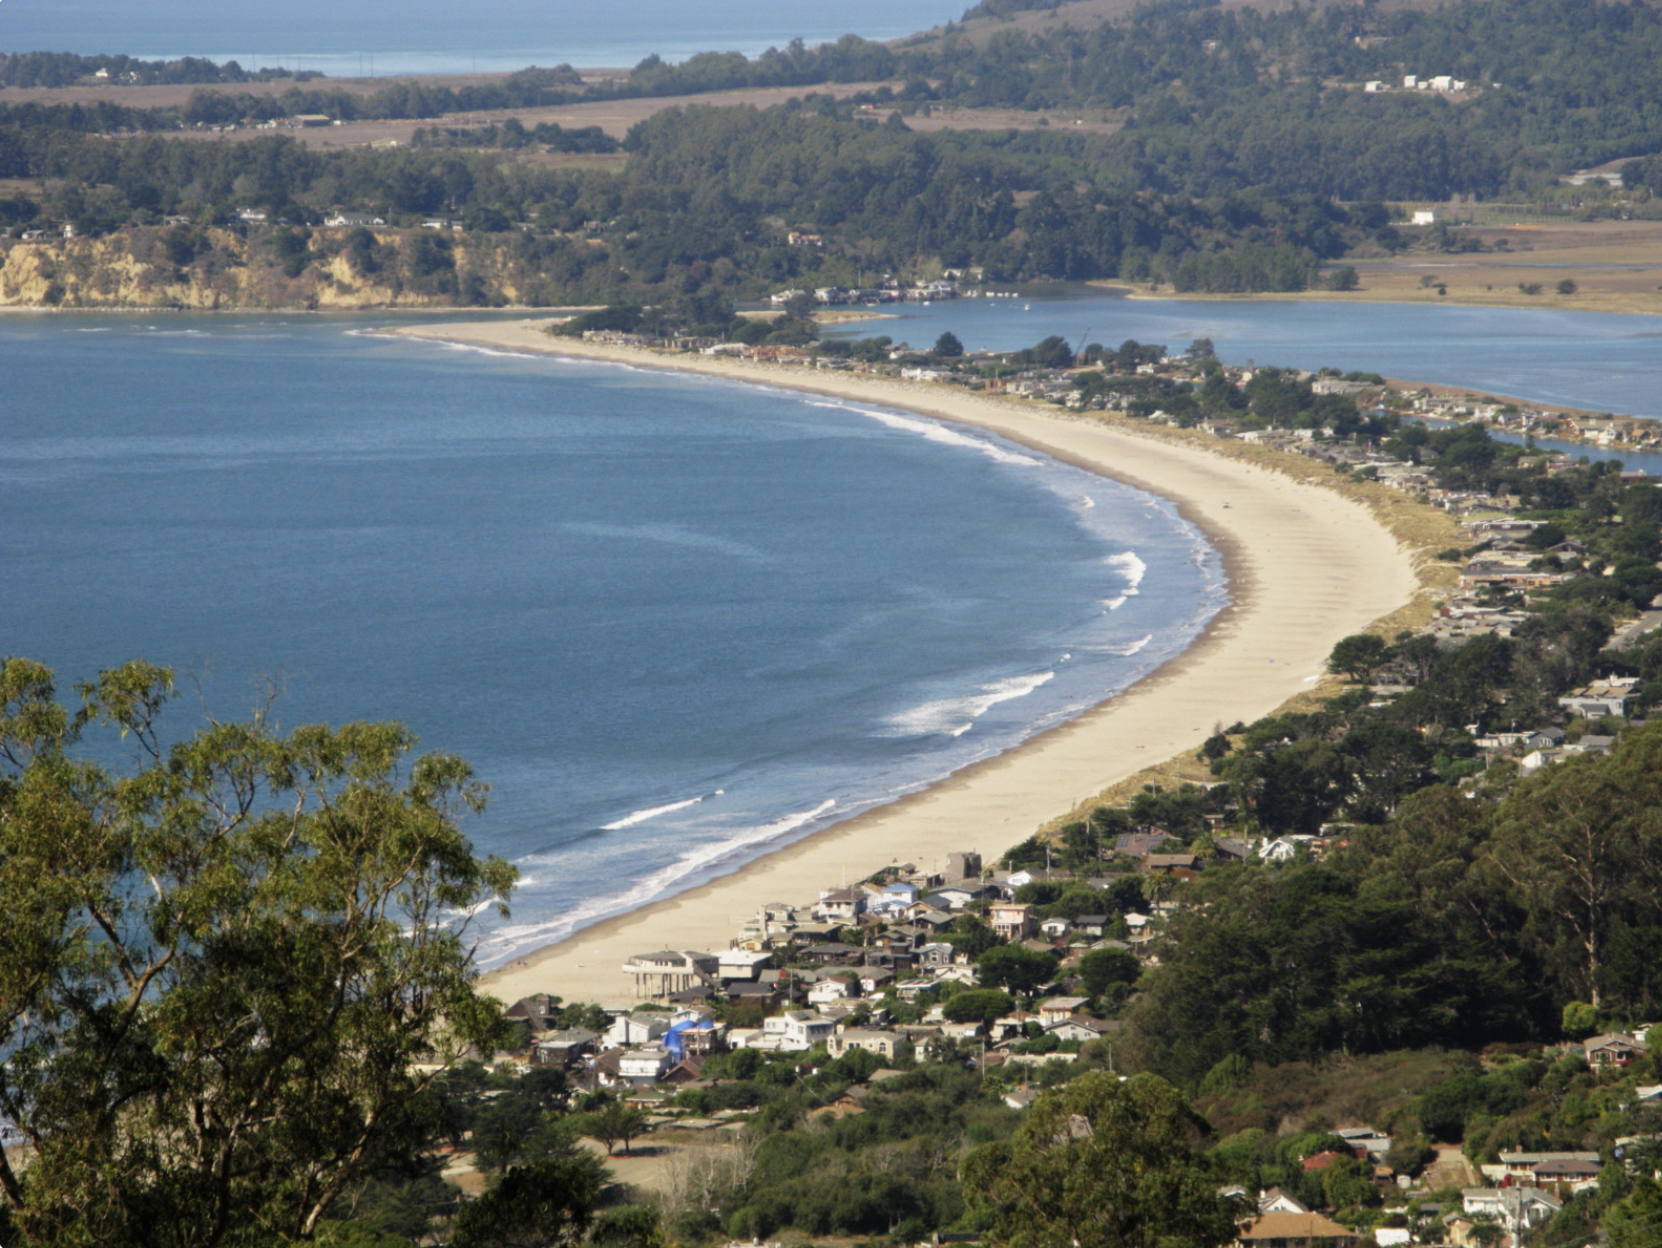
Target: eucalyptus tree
226,964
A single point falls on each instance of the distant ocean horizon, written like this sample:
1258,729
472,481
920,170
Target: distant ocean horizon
427,37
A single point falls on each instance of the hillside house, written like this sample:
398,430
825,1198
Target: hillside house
628,1031
1059,1009
1277,1201
1517,1208
1294,1230
564,1048
1611,1049
1012,921
883,1043
1611,696
797,1030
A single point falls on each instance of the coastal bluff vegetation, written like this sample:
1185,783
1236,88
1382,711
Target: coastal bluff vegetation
1205,148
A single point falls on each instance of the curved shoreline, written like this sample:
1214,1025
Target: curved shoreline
1305,566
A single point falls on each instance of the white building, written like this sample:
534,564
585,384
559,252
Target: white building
627,1031
647,1064
797,1030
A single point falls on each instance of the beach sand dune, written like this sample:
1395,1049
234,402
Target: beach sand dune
1306,568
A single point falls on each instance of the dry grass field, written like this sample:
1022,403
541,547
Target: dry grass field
615,117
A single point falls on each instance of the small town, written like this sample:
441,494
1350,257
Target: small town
869,982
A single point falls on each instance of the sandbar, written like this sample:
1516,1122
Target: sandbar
1306,565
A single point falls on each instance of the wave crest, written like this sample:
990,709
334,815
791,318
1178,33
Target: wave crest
955,716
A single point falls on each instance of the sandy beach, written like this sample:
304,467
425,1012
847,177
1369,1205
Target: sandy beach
1306,565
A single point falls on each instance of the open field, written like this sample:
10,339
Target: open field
1616,267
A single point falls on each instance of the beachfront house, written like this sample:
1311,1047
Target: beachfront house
741,965
843,905
667,971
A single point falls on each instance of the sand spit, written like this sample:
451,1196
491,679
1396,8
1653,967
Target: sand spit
1306,567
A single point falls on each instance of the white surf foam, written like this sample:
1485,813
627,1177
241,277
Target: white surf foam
505,941
936,433
1126,652
1130,567
641,816
954,717
1131,570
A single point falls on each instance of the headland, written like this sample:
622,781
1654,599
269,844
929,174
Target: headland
1307,566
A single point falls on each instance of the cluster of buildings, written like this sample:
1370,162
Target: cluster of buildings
891,291
1413,82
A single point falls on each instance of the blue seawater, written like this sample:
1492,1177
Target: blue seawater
674,621
426,36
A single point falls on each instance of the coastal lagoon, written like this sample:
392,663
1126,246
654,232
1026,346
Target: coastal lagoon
1600,361
675,622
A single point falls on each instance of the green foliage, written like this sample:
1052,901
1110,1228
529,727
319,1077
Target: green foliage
546,1204
1102,1164
1101,969
1580,1020
261,1003
612,1123
1357,656
978,1006
1021,971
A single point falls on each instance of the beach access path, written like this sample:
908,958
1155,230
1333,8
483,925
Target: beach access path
1306,567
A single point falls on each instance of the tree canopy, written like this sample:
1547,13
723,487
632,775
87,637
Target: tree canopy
1102,1163
223,963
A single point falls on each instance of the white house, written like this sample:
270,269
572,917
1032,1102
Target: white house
843,904
798,1030
646,1064
352,218
1517,1208
626,1031
828,990
742,964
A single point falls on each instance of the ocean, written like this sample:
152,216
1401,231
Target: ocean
423,36
674,621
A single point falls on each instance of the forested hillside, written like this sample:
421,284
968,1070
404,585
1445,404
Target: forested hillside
1238,131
